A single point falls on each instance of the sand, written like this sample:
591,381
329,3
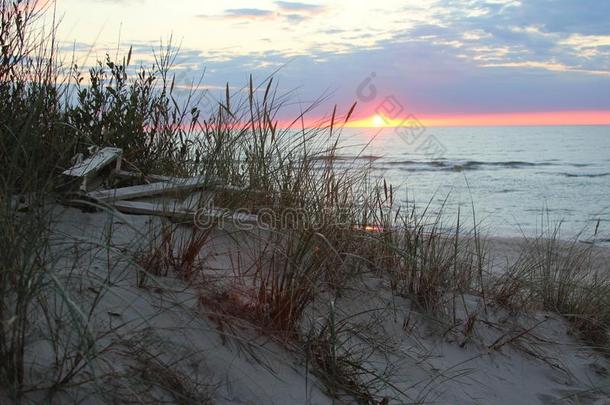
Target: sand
504,359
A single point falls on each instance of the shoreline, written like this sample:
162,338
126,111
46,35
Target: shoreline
510,248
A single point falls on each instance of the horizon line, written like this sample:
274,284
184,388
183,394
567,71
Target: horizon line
545,118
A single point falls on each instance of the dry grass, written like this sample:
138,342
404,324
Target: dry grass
273,287
348,354
24,264
428,262
173,249
559,276
161,375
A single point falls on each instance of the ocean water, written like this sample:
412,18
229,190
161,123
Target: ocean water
516,177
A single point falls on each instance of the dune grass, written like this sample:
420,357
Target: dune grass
559,276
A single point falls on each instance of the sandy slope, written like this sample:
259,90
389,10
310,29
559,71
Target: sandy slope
503,250
505,359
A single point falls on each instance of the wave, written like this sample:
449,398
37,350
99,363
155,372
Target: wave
590,175
346,157
457,165
460,165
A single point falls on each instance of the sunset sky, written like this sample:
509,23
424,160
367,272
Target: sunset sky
445,62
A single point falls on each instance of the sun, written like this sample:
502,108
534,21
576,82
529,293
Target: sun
377,121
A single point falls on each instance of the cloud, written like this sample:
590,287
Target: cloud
287,11
242,14
551,66
587,41
295,7
296,18
443,56
249,13
555,37
332,31
425,77
552,35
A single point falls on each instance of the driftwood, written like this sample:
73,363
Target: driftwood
146,190
213,183
177,212
89,167
193,208
152,178
169,210
198,199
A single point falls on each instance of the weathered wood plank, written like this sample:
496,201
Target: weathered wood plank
198,199
125,174
214,183
176,211
95,163
169,210
147,190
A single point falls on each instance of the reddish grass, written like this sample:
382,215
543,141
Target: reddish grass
180,254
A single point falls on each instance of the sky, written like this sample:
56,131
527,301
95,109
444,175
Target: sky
442,62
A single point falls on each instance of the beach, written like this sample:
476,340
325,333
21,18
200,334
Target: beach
373,204
401,351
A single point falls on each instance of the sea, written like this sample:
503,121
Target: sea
519,180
